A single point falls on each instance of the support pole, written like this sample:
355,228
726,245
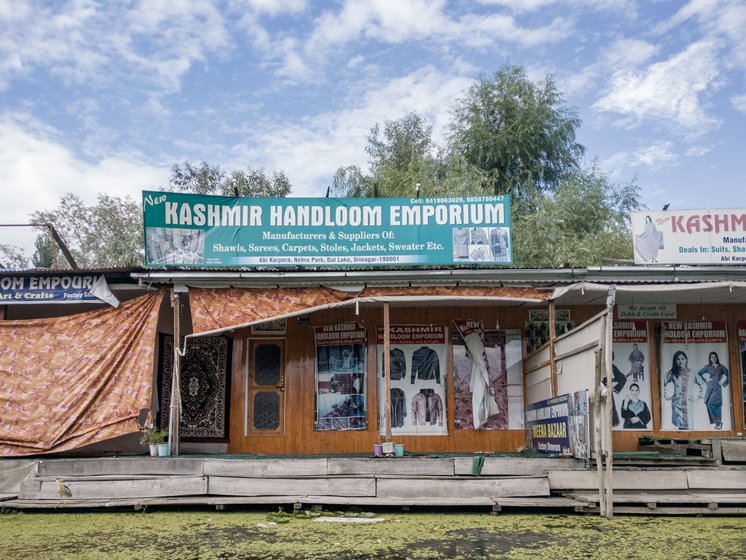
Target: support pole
552,348
174,418
608,358
387,371
598,428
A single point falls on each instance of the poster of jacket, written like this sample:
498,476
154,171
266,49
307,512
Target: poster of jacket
695,379
341,399
488,387
741,326
630,382
417,354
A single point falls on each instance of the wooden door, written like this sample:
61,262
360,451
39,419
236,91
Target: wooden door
265,388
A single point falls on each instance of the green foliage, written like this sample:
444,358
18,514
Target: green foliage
153,435
519,133
206,178
107,234
45,251
12,257
584,222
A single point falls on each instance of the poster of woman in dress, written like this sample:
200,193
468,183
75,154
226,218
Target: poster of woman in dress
341,402
631,392
648,243
417,357
695,381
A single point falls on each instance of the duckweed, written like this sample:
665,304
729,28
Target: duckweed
242,534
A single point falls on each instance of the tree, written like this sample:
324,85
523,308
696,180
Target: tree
12,257
45,251
108,234
350,182
401,156
206,178
520,134
584,222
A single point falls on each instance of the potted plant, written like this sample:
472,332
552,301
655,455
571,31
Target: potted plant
153,437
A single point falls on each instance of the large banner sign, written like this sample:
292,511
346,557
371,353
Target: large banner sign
695,380
196,230
55,289
690,237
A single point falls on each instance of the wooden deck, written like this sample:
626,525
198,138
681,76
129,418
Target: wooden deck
432,482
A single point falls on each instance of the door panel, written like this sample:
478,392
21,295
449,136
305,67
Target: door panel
265,388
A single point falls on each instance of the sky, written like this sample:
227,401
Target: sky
104,97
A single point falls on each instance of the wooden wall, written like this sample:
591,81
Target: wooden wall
300,437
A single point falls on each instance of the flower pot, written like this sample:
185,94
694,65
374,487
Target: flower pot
378,450
163,450
153,449
398,450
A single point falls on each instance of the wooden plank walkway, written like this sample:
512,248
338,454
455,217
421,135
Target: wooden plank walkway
502,483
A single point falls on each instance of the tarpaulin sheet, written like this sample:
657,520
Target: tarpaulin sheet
219,309
70,381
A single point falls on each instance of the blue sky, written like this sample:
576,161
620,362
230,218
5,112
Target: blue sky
106,96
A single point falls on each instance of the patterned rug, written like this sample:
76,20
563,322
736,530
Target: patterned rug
204,379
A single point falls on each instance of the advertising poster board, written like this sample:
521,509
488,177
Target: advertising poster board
548,424
491,383
690,236
417,355
741,326
631,393
695,376
341,399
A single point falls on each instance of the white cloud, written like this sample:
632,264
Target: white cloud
311,150
739,102
36,169
417,20
667,91
86,43
623,54
656,156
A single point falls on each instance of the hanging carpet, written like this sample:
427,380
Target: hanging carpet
204,379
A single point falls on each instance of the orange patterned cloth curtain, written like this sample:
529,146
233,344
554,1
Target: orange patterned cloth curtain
221,308
70,381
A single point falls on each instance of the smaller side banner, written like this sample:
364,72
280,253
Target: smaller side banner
55,289
690,236
548,424
341,396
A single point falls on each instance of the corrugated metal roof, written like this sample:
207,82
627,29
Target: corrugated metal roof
445,276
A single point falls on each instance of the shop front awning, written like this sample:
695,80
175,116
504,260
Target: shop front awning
217,310
589,293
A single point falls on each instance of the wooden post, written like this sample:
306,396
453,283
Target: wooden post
597,428
608,358
387,371
552,349
174,419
